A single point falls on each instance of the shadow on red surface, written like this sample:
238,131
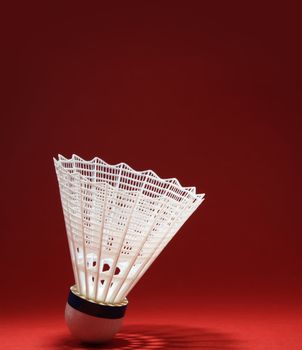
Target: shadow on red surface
161,337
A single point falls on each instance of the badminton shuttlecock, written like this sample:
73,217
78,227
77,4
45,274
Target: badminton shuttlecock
118,220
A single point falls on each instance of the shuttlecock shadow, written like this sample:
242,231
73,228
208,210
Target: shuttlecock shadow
161,337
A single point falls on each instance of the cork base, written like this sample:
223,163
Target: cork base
91,322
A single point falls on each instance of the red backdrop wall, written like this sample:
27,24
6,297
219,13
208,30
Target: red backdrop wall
205,93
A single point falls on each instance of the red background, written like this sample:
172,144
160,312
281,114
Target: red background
207,93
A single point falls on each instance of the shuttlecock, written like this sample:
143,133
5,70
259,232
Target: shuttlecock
118,220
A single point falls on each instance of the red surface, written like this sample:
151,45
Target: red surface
208,93
232,328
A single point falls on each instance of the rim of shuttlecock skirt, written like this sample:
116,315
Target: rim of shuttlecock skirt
62,161
118,220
